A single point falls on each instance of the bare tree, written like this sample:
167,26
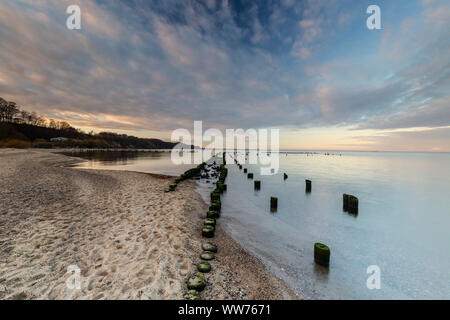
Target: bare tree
11,110
3,107
37,119
24,116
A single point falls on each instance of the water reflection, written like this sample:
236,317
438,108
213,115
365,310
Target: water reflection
155,161
115,157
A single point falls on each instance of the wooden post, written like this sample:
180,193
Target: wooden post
353,204
245,170
350,203
308,185
257,185
345,201
285,176
273,204
322,254
250,176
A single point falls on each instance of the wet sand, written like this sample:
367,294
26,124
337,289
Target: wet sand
130,239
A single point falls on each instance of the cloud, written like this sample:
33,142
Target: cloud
160,65
436,139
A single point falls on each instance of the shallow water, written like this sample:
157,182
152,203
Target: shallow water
402,225
141,161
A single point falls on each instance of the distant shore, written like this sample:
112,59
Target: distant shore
130,239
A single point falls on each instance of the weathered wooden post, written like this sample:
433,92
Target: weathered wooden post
353,204
321,254
350,203
257,185
308,185
245,170
285,176
345,201
250,176
273,204
208,231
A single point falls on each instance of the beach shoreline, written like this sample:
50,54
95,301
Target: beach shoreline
129,238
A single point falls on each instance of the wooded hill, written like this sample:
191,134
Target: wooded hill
20,128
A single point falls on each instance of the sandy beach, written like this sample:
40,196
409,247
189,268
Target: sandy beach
130,239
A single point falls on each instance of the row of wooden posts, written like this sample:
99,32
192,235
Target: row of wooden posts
350,202
321,252
196,283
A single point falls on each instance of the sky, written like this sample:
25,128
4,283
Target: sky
309,68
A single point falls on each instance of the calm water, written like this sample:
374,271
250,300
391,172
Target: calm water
402,226
144,161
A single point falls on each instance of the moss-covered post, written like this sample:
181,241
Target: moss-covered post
208,231
321,254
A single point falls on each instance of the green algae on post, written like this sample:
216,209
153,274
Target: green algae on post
217,204
215,196
191,295
212,214
208,231
209,222
207,255
209,246
321,254
196,282
204,267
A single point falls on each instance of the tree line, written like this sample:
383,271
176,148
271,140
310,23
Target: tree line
23,125
11,112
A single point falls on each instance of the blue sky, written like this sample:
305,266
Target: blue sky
310,68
